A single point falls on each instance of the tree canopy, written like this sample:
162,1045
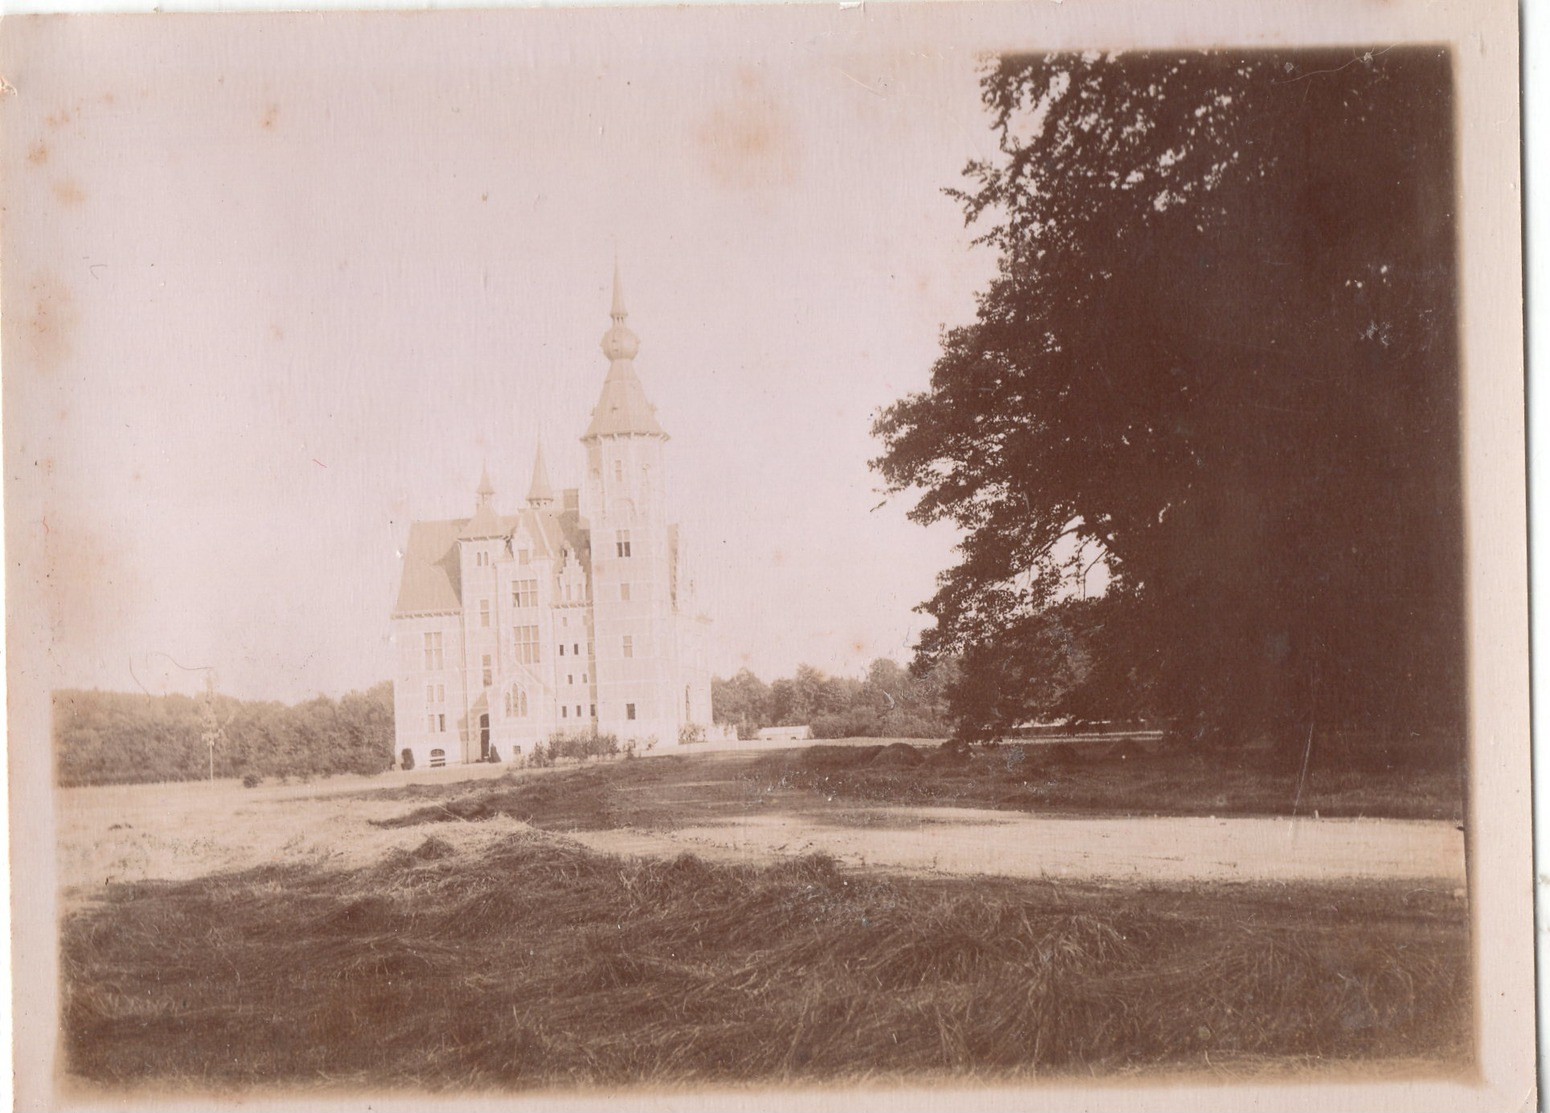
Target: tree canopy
134,737
1220,350
891,702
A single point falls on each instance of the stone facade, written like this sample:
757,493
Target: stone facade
571,614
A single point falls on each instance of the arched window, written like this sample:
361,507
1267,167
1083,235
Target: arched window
516,702
438,758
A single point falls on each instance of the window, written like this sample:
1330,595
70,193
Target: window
481,559
570,678
484,612
622,542
583,678
629,646
435,693
430,724
516,702
624,593
524,556
576,648
564,712
430,693
594,710
526,639
433,657
524,593
441,724
562,649
487,671
441,693
567,593
629,711
438,759
619,470
578,711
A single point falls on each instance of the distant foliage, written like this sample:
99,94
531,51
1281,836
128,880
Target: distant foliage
576,745
891,702
129,738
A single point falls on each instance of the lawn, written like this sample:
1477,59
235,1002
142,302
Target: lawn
1121,779
537,963
1044,779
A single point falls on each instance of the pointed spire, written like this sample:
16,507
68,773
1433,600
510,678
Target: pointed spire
539,493
486,490
619,343
622,408
618,312
485,522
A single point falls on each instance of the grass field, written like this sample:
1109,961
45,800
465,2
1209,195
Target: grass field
539,963
447,933
1045,779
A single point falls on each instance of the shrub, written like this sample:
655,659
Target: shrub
579,745
251,780
690,733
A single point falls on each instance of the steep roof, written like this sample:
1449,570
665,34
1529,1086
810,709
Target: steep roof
432,579
432,576
485,523
622,409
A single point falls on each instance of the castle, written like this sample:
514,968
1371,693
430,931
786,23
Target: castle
572,614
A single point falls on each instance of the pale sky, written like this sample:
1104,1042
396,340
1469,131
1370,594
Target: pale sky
284,285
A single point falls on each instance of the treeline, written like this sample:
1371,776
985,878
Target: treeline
891,702
127,738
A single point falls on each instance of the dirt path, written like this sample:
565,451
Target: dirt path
969,841
184,831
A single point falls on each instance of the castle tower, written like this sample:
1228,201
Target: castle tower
633,550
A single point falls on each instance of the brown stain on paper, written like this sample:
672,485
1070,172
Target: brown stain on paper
67,192
749,142
48,324
86,582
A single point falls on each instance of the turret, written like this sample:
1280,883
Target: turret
539,492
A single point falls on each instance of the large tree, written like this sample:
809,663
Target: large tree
1220,350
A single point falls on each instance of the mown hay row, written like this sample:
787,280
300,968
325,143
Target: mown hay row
538,962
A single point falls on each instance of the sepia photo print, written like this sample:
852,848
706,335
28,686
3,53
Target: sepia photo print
898,553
